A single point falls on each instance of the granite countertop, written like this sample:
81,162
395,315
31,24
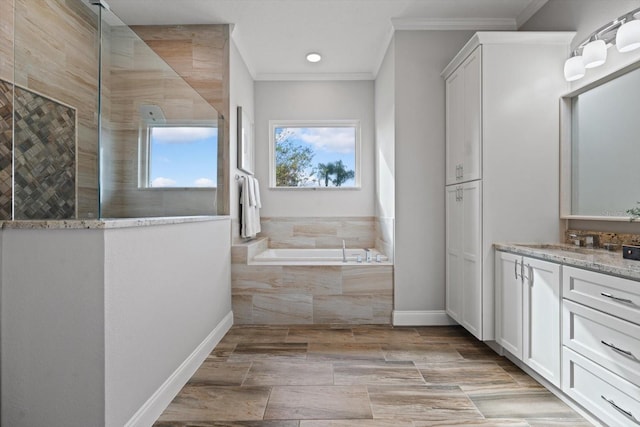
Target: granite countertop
105,223
599,260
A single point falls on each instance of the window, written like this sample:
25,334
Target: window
180,156
317,155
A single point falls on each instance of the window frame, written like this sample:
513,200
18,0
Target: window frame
144,150
352,123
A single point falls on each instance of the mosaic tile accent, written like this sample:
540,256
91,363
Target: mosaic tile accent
6,136
45,158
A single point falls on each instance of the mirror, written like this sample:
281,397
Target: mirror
245,142
604,148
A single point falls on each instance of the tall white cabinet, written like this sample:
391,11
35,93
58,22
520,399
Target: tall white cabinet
502,109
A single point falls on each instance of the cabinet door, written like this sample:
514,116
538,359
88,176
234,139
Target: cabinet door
541,296
509,302
472,258
453,261
472,130
454,126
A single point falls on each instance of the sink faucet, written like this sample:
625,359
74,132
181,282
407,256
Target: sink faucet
589,240
344,251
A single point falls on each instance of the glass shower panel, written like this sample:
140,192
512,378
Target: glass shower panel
157,133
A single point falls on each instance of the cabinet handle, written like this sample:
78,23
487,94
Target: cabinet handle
625,352
462,170
627,301
619,409
461,194
515,269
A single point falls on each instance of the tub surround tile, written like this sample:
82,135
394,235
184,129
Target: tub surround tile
250,280
422,402
283,309
315,229
342,309
335,402
316,280
242,306
367,280
198,403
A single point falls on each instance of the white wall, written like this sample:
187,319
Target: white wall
167,287
52,328
385,140
420,56
585,16
241,94
315,100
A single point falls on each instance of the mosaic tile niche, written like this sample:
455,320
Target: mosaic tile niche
6,131
45,156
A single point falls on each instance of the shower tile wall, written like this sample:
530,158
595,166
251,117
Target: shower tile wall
56,55
6,131
45,158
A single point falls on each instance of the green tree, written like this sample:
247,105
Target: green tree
342,174
293,162
336,169
325,172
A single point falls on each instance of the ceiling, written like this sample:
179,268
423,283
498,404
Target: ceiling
274,36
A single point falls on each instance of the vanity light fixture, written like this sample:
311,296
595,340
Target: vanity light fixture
592,52
314,57
574,68
628,37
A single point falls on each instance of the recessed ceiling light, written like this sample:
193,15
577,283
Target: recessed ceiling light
313,57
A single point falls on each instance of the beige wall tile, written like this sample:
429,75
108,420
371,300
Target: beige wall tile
282,309
313,280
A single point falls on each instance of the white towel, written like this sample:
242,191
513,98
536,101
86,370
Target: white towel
250,222
256,192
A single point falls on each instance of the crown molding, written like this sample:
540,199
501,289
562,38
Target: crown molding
441,24
313,76
532,8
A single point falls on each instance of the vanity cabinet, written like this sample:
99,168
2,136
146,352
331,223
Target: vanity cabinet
502,132
601,344
528,312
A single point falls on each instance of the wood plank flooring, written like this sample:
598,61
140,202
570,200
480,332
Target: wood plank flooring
362,376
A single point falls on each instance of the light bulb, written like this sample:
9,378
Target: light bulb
594,54
574,68
314,57
628,36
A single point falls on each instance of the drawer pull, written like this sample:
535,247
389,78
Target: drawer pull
627,301
619,409
625,352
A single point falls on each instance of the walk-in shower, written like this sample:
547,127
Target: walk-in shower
94,122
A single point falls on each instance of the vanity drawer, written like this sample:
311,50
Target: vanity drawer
609,397
607,340
614,295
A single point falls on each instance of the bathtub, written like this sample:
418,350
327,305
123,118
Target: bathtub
316,257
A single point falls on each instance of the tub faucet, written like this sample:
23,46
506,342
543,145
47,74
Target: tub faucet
367,255
344,251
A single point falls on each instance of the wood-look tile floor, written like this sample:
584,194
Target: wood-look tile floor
362,376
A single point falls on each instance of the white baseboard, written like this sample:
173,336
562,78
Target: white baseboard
422,318
158,402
